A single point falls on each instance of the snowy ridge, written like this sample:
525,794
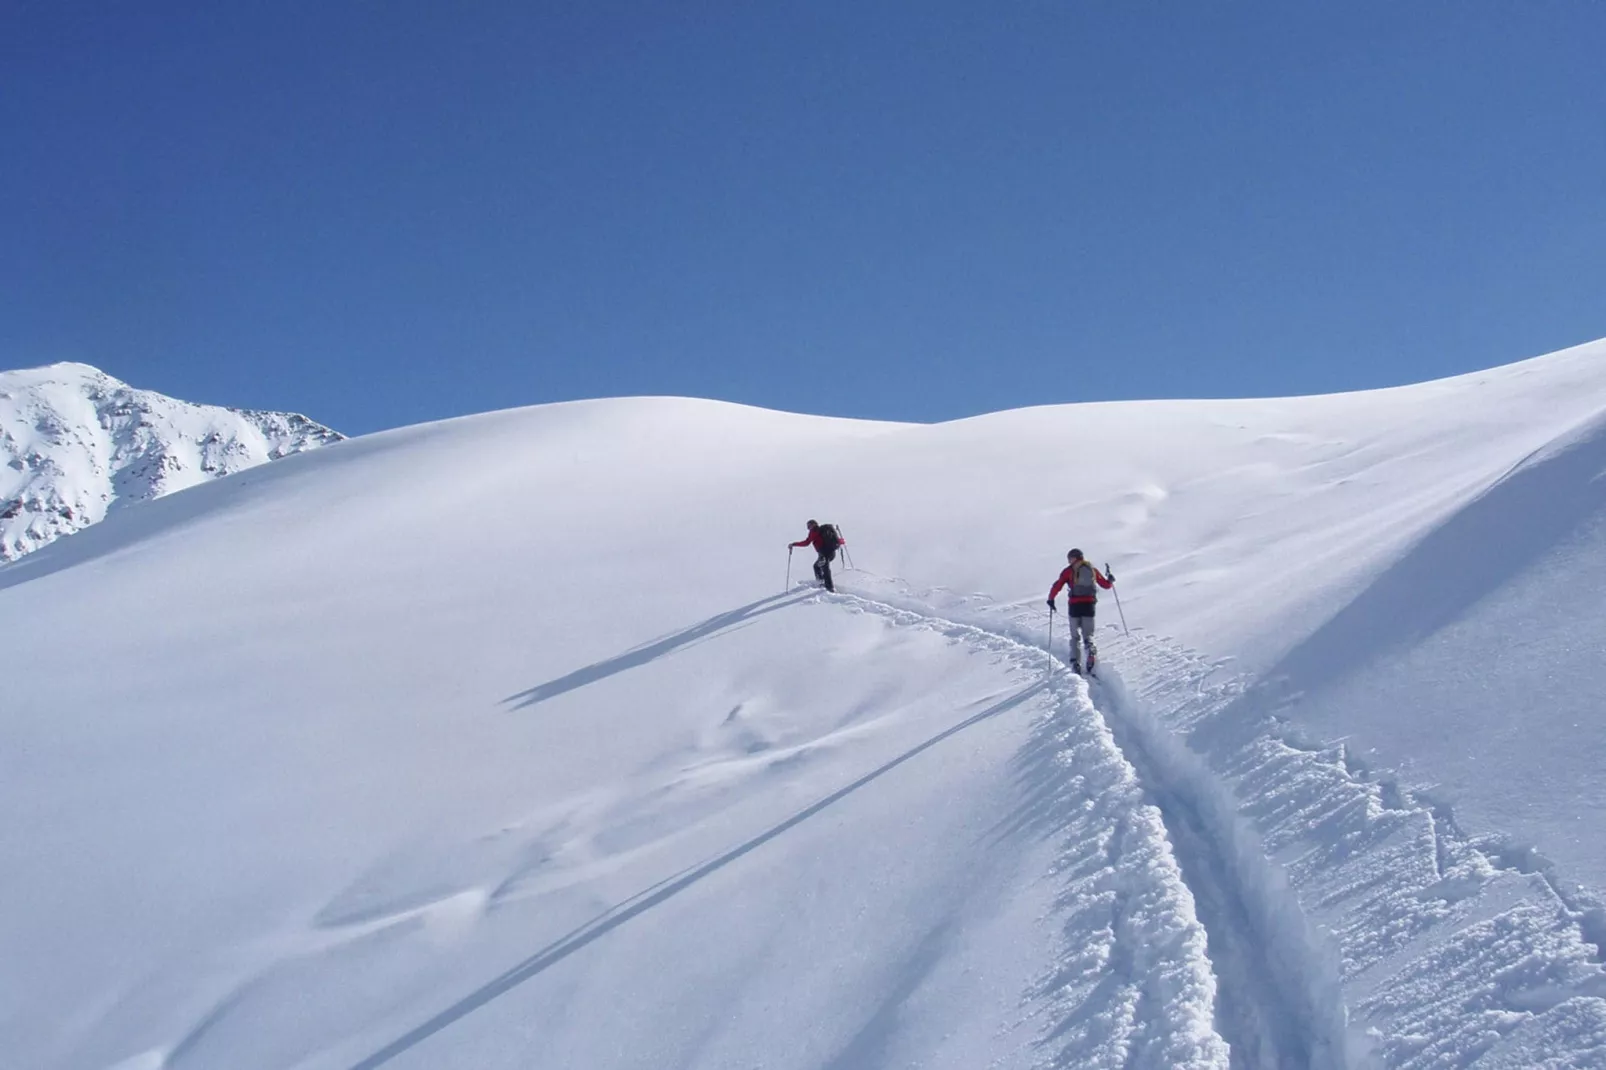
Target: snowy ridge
76,443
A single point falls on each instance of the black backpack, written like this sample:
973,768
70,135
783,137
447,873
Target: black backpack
829,539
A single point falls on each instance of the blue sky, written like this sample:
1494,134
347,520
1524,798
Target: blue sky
380,213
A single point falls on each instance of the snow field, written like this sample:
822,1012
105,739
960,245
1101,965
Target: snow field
859,864
1128,982
489,744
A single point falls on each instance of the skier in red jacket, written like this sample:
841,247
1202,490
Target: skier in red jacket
1080,577
826,540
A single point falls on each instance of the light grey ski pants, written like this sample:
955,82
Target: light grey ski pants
1082,630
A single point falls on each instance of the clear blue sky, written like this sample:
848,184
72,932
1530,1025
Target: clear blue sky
380,213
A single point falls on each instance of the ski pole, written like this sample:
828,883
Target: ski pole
1051,631
1117,592
788,586
847,558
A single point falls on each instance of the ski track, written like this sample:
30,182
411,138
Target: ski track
1329,891
1132,986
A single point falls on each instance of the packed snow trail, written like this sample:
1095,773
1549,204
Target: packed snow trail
1153,981
1280,1003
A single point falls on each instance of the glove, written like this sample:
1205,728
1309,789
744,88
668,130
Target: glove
1108,574
1052,606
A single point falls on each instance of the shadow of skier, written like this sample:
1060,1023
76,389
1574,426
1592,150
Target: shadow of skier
641,655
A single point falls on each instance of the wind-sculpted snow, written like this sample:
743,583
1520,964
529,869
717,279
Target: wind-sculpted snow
76,443
1474,664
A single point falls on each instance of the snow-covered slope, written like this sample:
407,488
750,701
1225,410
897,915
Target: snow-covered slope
497,743
76,443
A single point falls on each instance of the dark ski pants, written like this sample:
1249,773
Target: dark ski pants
822,568
1081,631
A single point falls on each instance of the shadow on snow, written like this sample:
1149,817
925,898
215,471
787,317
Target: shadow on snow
643,901
641,655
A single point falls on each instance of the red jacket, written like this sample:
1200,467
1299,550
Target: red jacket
1067,578
813,539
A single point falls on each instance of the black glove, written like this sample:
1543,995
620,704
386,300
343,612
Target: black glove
1107,573
1052,607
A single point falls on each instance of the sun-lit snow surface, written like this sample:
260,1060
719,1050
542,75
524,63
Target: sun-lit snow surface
75,443
495,743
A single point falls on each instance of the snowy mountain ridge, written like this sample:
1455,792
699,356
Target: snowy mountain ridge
76,443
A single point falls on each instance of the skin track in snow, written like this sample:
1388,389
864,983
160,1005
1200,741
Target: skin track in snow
1133,985
1278,1002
